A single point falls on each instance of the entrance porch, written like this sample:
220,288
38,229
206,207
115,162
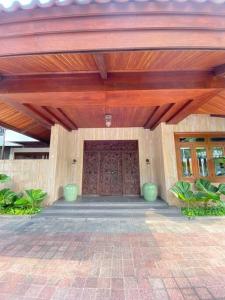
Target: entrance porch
127,73
110,207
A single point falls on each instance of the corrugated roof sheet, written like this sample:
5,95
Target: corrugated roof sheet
12,5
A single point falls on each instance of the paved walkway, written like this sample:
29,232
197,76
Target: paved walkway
116,259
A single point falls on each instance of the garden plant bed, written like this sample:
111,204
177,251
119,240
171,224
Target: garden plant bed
19,211
216,211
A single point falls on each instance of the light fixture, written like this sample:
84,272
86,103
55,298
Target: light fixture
108,120
74,161
147,161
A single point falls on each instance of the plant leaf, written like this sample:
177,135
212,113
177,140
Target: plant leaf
221,188
182,191
205,186
4,178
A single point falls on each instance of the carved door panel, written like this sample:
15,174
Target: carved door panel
111,180
131,178
111,168
91,173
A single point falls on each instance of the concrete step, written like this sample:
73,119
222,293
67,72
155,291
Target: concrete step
136,205
107,207
109,216
88,213
137,208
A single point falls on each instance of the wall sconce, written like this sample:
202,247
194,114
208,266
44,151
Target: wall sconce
74,161
108,121
147,161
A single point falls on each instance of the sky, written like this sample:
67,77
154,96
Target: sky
12,136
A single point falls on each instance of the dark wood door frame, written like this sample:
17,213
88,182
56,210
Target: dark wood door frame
122,162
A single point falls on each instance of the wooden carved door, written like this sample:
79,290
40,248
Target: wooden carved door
111,179
131,180
111,168
91,173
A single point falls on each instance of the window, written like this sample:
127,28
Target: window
200,155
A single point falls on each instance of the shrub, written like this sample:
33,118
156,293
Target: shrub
4,178
206,195
32,199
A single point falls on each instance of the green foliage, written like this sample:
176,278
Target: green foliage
4,178
182,190
20,204
7,197
35,197
205,201
209,191
19,211
221,188
201,212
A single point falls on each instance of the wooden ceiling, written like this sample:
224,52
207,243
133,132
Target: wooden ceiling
138,88
121,61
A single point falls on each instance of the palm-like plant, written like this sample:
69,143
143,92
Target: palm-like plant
7,197
33,198
205,193
4,178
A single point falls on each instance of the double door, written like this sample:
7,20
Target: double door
111,168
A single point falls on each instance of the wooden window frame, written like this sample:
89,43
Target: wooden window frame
208,145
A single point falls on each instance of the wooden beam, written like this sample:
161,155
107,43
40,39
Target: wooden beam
152,113
219,70
61,118
114,26
99,59
124,81
66,119
189,107
55,118
217,116
155,118
163,117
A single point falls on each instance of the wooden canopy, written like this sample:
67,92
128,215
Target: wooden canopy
147,64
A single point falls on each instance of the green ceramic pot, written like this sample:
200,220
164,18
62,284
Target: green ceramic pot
70,192
150,191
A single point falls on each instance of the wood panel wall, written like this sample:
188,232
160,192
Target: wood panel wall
26,174
60,157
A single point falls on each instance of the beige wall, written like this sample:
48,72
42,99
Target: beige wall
26,174
194,123
61,154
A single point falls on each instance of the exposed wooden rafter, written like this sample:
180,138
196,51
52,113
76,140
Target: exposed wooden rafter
60,117
55,118
217,116
162,117
189,107
101,64
66,119
152,113
29,111
219,71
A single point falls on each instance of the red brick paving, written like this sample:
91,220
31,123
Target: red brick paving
171,260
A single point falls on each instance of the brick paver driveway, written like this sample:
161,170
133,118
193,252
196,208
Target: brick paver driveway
116,259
